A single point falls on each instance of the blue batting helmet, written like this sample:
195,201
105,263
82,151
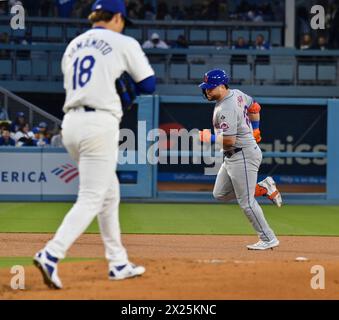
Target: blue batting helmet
214,78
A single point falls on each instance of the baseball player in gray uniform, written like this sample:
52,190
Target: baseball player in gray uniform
237,177
93,65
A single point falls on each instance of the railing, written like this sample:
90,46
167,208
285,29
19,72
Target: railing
13,104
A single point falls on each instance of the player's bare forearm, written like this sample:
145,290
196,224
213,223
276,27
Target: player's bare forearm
254,116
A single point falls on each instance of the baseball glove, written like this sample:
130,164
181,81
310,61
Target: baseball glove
126,90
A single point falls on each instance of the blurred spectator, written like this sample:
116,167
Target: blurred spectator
39,138
64,7
162,11
321,43
3,114
82,8
260,43
24,137
57,139
241,44
5,139
44,133
240,58
303,23
180,43
3,8
155,42
19,121
306,42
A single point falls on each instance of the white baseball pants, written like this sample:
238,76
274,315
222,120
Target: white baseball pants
92,139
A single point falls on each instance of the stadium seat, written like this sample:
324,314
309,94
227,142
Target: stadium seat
197,71
159,69
173,34
275,37
240,33
54,33
179,71
23,68
263,72
39,68
218,35
283,72
328,73
56,68
5,29
71,32
5,67
39,32
307,72
134,33
241,72
198,35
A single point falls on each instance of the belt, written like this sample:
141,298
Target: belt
230,153
89,109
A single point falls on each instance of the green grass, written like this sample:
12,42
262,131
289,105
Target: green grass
178,218
8,262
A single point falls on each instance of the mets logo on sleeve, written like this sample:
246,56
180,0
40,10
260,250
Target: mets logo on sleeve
224,126
66,172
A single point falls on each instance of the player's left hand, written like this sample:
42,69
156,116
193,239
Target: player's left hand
257,135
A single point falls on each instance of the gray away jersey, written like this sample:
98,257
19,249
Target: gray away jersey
230,118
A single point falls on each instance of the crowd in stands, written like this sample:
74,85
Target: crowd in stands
247,10
18,133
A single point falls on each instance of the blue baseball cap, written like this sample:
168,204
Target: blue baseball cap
113,6
20,114
42,125
35,130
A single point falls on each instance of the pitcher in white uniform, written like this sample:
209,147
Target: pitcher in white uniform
91,64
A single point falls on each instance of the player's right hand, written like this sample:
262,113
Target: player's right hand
205,135
257,135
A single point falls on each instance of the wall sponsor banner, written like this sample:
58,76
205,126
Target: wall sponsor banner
37,173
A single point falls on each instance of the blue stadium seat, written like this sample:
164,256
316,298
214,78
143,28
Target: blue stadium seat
5,29
134,33
179,71
23,67
241,72
197,71
159,69
283,72
39,32
54,33
39,68
71,32
5,67
173,34
327,72
240,33
20,33
56,68
263,72
276,37
198,35
218,35
307,72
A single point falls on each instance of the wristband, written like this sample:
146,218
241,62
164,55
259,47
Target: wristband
255,124
213,138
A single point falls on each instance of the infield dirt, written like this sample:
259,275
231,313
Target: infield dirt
182,267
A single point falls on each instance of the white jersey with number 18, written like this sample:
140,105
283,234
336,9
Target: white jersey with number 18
91,64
